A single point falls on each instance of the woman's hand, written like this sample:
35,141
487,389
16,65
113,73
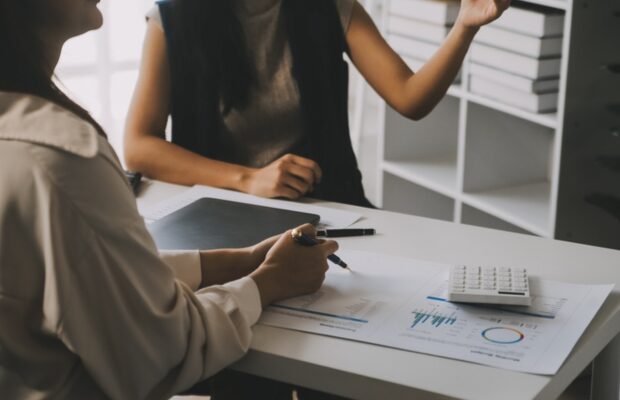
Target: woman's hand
291,269
475,13
226,265
258,252
290,177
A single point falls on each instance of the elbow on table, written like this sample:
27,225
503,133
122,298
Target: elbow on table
134,155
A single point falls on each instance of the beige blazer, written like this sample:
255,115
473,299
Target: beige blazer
88,308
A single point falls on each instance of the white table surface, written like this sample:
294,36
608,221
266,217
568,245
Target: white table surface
365,371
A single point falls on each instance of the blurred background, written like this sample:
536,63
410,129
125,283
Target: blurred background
100,69
479,158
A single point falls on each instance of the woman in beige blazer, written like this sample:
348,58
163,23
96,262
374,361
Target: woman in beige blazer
88,308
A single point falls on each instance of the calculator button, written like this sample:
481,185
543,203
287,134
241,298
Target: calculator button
488,284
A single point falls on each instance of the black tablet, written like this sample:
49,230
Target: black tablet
213,224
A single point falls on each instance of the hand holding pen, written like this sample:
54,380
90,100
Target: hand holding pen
290,269
306,240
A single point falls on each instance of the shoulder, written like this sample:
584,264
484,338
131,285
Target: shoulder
154,16
31,119
62,155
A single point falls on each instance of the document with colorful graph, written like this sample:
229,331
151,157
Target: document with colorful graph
401,303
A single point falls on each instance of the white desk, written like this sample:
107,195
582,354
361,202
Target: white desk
364,371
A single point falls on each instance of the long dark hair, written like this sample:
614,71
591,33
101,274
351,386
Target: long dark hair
23,59
210,33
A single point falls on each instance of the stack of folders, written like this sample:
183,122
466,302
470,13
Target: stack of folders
516,59
416,28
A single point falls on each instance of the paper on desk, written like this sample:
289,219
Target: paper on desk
330,218
400,303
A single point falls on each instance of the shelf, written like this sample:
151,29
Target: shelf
404,196
473,216
456,90
436,173
525,206
433,136
547,120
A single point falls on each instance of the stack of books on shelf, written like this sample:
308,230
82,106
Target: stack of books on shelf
516,59
416,28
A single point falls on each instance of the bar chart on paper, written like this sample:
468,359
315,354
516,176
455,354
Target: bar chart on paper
401,303
431,317
481,334
353,303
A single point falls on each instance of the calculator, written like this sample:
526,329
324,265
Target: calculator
489,285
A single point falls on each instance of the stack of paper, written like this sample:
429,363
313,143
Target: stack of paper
517,59
416,28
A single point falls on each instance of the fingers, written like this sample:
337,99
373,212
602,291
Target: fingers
296,184
329,247
306,163
308,230
301,173
270,241
502,5
287,192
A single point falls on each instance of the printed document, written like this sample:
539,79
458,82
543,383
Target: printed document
401,303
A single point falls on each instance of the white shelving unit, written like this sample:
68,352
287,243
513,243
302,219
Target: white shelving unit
477,161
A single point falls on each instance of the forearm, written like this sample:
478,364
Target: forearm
159,159
222,266
423,90
416,94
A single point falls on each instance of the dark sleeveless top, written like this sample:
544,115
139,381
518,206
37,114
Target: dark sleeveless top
317,44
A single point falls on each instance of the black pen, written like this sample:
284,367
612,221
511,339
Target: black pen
344,232
300,238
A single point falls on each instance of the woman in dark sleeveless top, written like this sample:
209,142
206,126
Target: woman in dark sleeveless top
257,92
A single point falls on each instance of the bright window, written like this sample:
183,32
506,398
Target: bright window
99,70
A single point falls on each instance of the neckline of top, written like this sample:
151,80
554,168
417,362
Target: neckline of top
253,8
